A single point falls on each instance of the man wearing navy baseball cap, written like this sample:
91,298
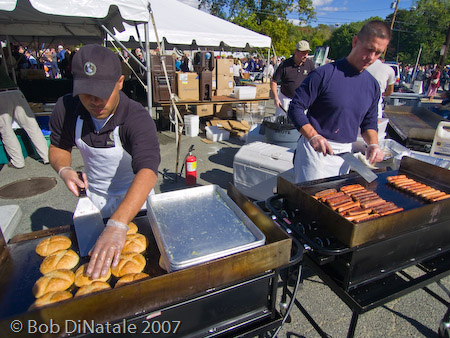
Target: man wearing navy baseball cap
118,142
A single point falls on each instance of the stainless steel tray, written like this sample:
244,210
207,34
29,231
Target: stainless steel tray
196,225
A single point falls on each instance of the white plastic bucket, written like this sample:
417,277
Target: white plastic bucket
191,125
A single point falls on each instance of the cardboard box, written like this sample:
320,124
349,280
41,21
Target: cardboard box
224,92
224,66
224,82
188,86
205,109
262,89
183,109
223,111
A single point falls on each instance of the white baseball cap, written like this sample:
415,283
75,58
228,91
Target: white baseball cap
302,46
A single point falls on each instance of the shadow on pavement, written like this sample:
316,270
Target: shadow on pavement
50,218
425,331
224,156
217,176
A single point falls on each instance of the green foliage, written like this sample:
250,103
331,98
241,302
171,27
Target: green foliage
424,26
268,17
263,9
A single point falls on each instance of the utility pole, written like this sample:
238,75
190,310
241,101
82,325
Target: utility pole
444,49
392,23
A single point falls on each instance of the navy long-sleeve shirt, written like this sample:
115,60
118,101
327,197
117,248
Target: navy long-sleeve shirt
339,100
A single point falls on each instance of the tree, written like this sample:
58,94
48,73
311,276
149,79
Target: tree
425,26
340,41
268,17
263,9
433,20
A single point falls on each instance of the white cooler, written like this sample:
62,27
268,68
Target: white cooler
257,165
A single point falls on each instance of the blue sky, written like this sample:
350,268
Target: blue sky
332,12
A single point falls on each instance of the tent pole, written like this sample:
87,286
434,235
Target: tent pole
11,58
178,118
147,71
123,46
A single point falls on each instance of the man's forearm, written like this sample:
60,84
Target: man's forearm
370,136
274,88
308,131
59,157
142,184
389,90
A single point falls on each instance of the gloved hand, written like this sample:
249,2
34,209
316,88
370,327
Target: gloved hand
320,144
107,249
72,181
374,153
277,102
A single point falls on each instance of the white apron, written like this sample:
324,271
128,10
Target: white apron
311,165
108,171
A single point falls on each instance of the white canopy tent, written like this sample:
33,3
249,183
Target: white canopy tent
89,21
27,19
180,24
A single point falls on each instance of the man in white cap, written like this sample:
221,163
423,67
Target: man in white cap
118,142
291,73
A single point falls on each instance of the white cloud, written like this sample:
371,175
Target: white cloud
318,3
333,9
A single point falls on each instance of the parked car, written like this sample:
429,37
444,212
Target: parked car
396,68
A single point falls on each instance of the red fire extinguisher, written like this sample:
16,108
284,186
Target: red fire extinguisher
191,169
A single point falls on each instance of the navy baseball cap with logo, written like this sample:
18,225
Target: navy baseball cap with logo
95,71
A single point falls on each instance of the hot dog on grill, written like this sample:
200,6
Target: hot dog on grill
327,197
392,211
325,192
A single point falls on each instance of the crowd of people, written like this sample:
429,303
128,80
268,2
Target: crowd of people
427,79
54,61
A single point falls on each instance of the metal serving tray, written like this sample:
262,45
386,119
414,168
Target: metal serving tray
196,225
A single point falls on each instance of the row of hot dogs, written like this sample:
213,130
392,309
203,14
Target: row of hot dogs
356,203
418,189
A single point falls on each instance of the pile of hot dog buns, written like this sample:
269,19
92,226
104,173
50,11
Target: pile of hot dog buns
58,278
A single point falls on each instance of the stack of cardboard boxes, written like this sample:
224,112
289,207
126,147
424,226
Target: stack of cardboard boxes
188,89
224,87
224,77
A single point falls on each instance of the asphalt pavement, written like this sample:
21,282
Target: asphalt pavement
415,315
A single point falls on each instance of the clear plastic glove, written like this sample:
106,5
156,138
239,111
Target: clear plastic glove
321,145
277,102
374,154
72,181
107,250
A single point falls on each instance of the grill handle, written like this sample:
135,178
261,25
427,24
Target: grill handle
308,242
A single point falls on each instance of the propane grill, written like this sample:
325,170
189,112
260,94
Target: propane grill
364,264
232,296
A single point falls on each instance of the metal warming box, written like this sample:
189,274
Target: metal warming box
229,296
196,225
